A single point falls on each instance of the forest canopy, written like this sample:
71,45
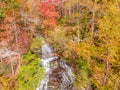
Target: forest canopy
84,33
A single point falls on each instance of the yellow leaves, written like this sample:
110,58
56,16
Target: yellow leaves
109,27
111,18
7,83
73,46
82,49
58,35
85,49
98,73
70,3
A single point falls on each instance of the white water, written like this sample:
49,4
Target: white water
60,74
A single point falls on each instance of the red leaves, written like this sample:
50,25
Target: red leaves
24,41
8,36
48,11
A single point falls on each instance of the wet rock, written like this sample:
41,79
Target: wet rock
59,74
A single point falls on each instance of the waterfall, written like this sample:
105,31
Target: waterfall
59,75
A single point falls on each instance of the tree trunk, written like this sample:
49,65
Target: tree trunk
15,30
78,21
106,69
1,64
12,67
93,21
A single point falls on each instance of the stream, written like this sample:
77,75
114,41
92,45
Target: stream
59,75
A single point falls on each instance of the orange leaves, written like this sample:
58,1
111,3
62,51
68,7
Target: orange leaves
50,22
8,39
73,46
48,11
23,41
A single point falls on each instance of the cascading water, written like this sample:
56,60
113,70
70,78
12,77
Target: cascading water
59,75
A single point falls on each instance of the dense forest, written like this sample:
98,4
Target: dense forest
84,33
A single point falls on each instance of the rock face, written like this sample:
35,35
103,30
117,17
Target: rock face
59,75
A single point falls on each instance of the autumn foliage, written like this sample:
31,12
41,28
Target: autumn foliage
83,33
8,39
48,10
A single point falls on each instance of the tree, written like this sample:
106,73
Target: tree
48,11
